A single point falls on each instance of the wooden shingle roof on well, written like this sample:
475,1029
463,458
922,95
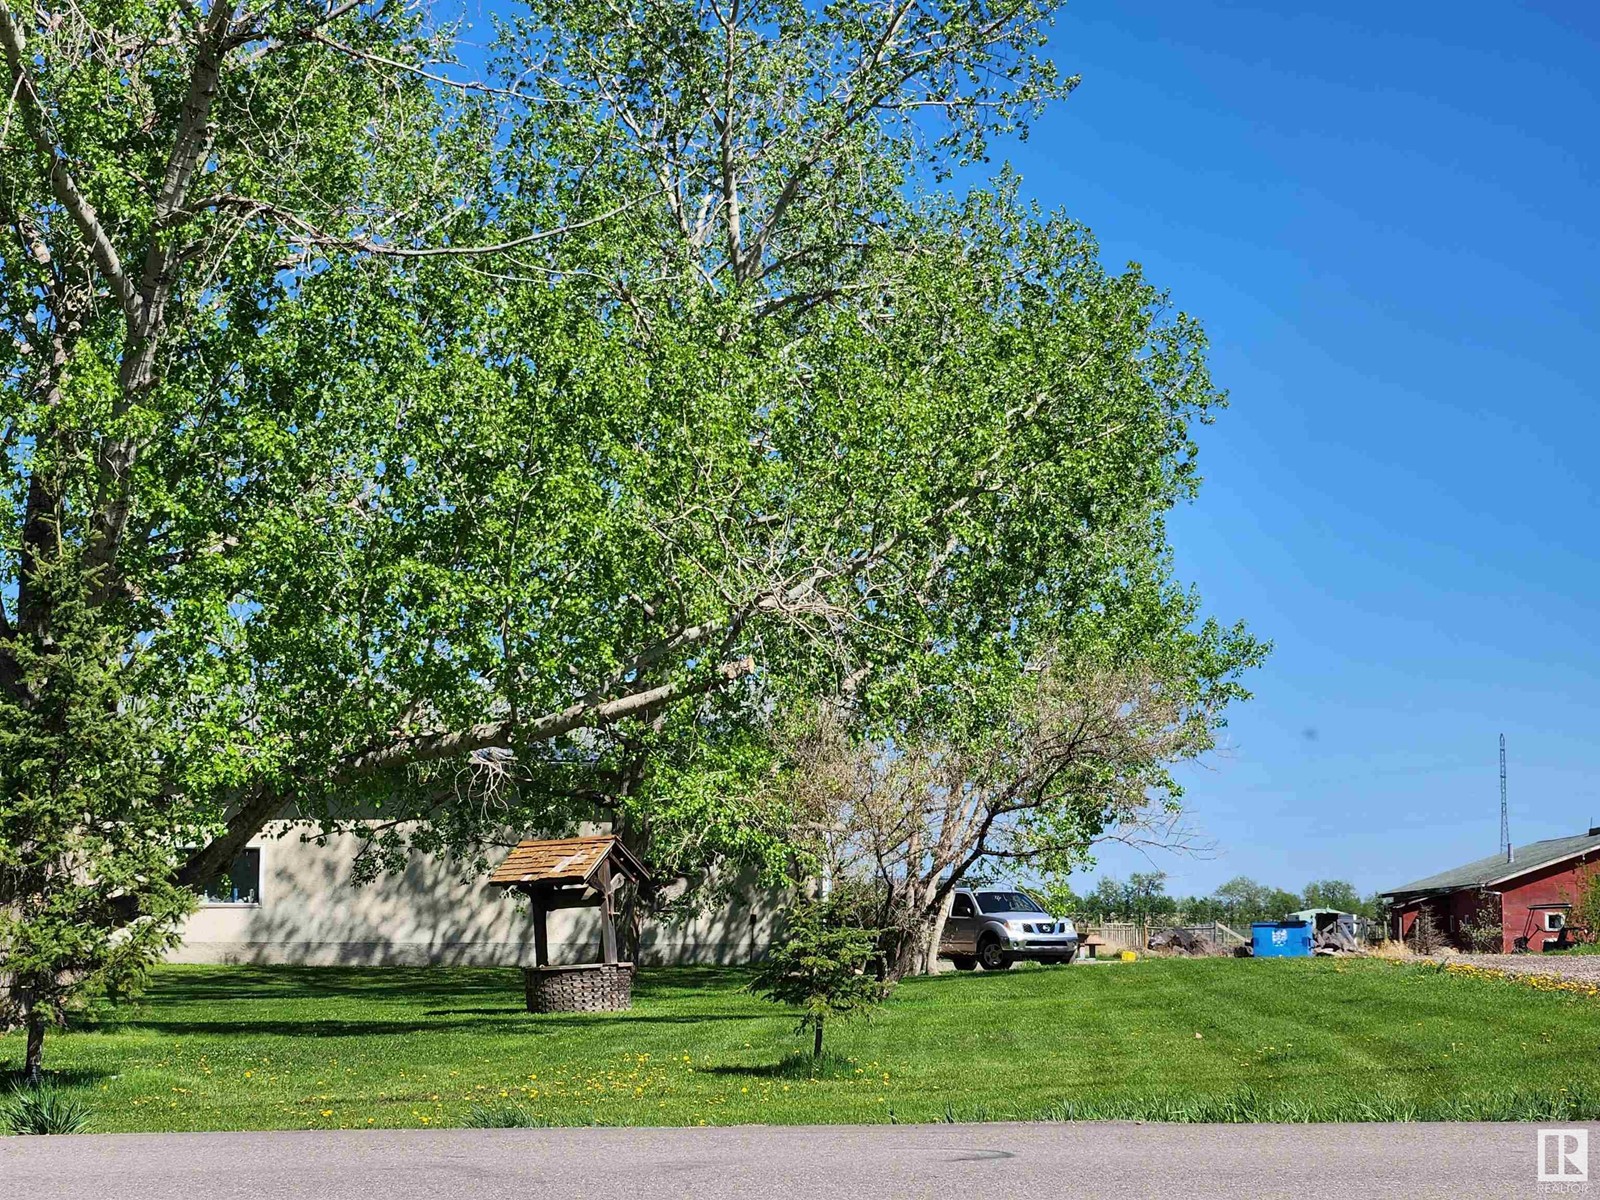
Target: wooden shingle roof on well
562,861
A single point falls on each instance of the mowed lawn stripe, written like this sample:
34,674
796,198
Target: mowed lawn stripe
258,1047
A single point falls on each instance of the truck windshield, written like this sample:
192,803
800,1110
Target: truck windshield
999,902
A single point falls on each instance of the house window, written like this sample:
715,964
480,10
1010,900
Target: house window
239,884
1555,920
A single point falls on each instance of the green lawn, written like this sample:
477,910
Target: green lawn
1221,1039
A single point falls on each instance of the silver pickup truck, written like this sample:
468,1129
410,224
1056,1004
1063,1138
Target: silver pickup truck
993,927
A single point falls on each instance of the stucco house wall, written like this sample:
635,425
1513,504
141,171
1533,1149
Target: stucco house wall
309,912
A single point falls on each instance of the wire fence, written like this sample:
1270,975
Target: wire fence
1135,935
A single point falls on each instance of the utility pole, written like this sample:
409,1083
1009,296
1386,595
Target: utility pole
1505,826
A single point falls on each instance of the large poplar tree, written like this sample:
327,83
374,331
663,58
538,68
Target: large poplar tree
504,449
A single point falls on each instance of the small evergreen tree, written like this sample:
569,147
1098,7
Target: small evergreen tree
818,966
1425,938
87,838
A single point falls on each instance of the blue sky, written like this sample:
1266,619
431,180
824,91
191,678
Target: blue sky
1386,217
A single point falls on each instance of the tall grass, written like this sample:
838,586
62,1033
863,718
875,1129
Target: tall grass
42,1110
503,1116
1579,1103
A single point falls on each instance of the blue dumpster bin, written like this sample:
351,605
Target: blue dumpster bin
1281,939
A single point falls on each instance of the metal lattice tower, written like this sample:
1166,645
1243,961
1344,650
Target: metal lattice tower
1505,826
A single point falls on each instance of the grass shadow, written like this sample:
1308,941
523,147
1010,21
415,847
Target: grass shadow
441,985
497,1021
185,999
624,1019
310,1028
797,1065
11,1077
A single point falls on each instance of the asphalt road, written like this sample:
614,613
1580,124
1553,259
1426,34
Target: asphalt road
950,1162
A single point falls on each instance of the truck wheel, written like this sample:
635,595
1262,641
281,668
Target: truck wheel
992,955
964,962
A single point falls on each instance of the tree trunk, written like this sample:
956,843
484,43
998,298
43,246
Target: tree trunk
633,924
641,896
33,1061
906,952
816,1040
930,960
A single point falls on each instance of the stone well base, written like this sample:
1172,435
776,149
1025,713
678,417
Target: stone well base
589,987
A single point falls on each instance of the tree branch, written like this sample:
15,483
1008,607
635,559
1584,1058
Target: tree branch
587,713
260,806
323,39
309,234
62,185
115,456
246,821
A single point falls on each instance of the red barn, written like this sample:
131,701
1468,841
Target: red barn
1529,894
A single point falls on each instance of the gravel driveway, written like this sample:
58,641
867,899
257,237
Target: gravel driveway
1565,966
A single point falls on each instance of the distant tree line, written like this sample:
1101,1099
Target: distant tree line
1143,897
